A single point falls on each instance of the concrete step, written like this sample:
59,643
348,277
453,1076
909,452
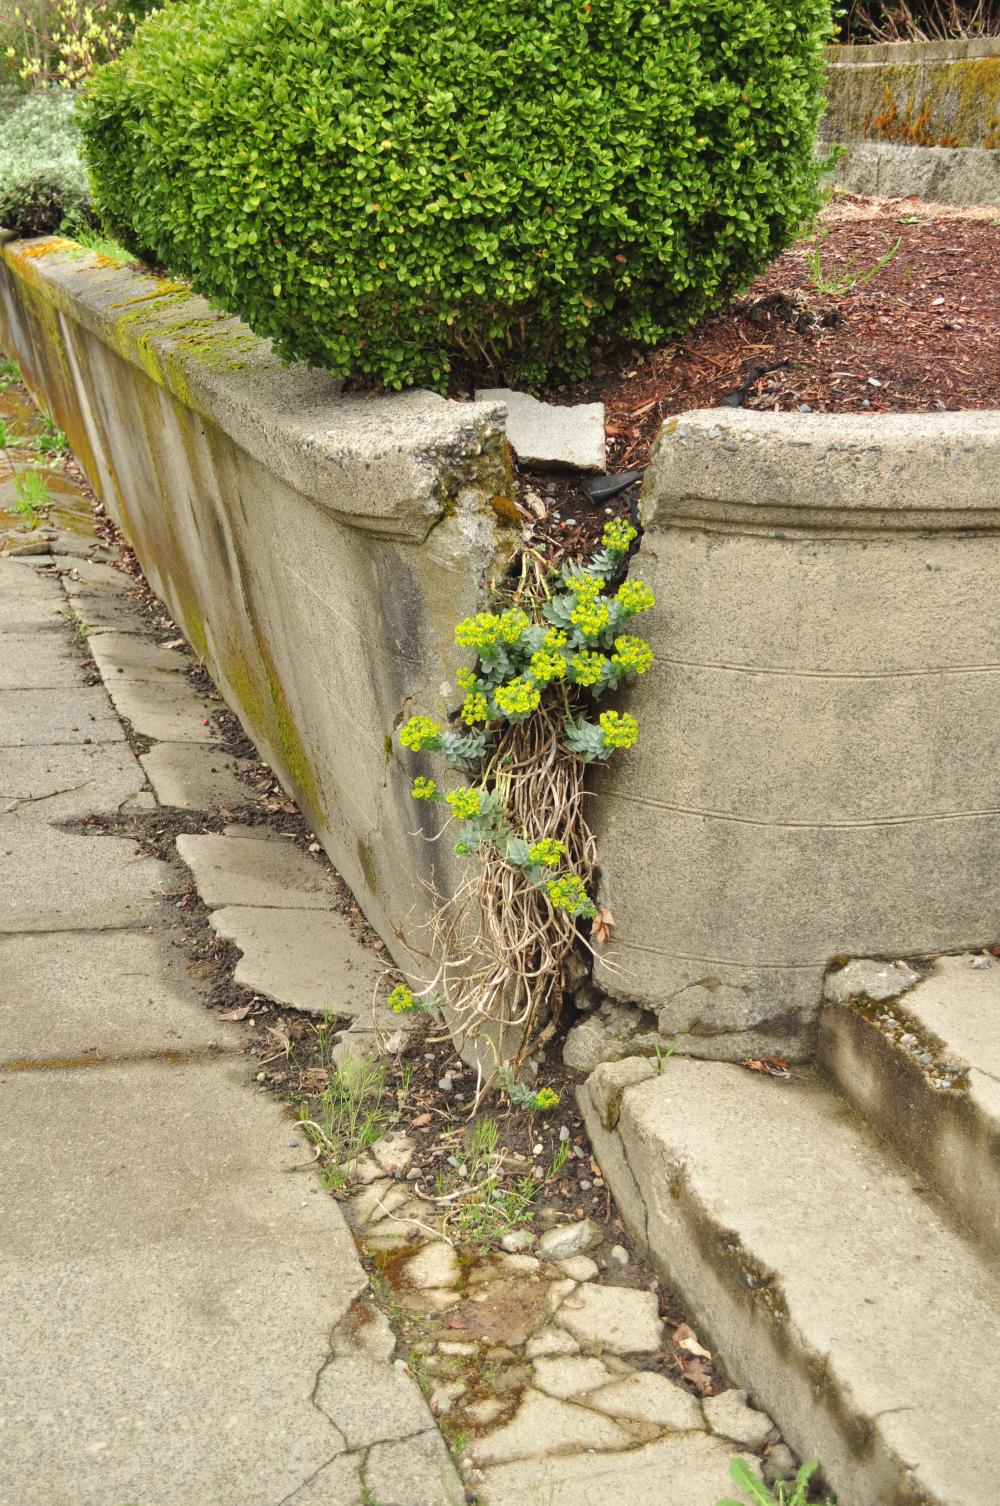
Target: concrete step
837,1295
924,1070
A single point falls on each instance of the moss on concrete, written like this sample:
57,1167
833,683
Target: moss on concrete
937,102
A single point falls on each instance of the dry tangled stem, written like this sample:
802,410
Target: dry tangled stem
499,946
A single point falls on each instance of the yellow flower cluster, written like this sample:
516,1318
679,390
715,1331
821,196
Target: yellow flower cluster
635,596
591,617
632,655
618,730
547,852
586,667
475,708
569,893
424,789
419,732
618,536
401,1000
547,667
584,587
518,697
487,629
465,803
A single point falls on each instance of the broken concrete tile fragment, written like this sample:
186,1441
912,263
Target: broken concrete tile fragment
567,436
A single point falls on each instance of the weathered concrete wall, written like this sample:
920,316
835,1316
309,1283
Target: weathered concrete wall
815,773
917,118
315,547
816,769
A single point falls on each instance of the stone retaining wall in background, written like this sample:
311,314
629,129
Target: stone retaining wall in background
917,118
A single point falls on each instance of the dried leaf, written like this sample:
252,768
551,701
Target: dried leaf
239,1013
420,1121
771,1066
685,1338
281,1037
603,925
698,1372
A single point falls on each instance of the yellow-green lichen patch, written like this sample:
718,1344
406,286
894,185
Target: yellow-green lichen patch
949,104
366,857
255,684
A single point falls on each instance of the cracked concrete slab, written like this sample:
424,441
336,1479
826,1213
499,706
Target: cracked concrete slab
134,658
615,1318
544,1426
100,608
53,880
309,959
169,1290
166,709
175,1278
108,993
37,660
337,1483
683,1470
196,778
413,1472
255,872
63,783
36,718
370,1401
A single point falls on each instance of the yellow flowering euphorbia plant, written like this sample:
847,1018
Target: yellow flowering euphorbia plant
527,726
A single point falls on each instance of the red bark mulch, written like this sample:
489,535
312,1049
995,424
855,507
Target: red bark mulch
922,335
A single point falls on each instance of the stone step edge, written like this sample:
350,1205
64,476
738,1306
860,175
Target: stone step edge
816,1413
925,1111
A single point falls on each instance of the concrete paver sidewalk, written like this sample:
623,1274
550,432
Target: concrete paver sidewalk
175,1284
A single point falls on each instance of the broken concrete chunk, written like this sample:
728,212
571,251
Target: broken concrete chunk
551,1340
393,1153
196,778
518,1241
308,959
564,1376
647,1397
613,1031
614,1317
552,434
579,1268
540,1421
608,1082
569,1239
871,978
248,871
729,1415
436,1265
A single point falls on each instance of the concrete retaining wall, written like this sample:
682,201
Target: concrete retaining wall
917,118
817,769
315,547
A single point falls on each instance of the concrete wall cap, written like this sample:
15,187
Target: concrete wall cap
879,472
872,54
391,463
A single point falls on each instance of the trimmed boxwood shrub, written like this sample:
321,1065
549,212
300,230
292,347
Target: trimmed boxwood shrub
402,189
43,182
